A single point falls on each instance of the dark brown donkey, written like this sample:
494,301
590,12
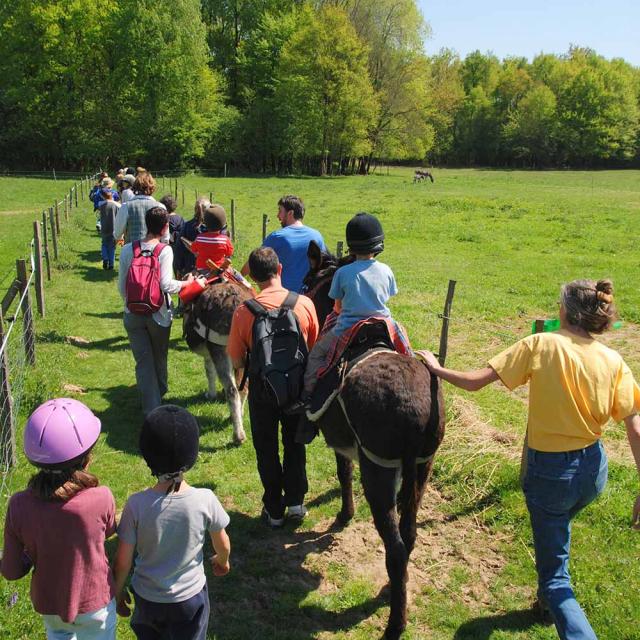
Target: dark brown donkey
392,423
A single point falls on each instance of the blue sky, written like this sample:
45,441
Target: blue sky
514,27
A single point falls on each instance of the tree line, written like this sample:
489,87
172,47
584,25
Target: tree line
287,86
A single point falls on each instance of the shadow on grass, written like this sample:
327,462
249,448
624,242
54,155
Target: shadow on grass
483,628
107,315
122,419
113,343
266,594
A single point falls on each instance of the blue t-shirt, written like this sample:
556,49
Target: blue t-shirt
291,244
364,286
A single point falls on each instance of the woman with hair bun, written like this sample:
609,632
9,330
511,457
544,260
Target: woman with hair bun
576,384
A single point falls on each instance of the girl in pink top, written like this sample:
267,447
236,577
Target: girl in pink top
58,526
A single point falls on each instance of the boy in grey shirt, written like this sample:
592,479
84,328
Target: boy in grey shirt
166,527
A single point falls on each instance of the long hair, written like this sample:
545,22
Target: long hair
63,484
589,304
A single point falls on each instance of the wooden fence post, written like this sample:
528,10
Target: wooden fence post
211,197
7,419
163,183
75,189
37,248
29,335
55,204
82,188
265,219
54,237
182,195
197,195
176,188
233,220
46,244
66,207
339,249
70,199
446,316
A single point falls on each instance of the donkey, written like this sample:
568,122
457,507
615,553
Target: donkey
388,415
206,324
421,176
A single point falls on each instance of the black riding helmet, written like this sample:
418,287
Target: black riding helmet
169,440
365,234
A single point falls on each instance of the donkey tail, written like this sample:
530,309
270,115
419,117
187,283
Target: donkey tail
408,498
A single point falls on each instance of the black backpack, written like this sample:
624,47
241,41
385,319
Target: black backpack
279,352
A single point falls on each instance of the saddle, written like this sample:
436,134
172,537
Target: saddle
365,339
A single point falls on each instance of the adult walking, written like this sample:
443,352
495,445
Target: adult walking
130,220
285,485
185,261
148,332
576,385
291,242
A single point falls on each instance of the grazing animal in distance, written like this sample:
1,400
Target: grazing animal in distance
206,326
421,176
389,416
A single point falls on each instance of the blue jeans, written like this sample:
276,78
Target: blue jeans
557,486
109,250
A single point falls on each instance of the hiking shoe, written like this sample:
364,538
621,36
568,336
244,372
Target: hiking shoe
105,264
274,523
297,512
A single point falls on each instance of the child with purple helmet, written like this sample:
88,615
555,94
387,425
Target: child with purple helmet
58,526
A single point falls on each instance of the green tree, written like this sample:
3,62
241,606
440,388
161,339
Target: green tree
52,73
324,91
169,100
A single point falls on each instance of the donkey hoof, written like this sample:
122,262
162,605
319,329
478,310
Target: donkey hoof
344,518
239,438
393,632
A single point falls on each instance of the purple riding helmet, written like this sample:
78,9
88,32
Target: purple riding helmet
60,433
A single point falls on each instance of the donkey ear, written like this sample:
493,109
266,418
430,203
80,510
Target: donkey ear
314,253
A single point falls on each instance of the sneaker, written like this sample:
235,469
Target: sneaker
297,512
542,612
274,523
105,264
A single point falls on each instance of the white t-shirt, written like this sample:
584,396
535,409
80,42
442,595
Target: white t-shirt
169,532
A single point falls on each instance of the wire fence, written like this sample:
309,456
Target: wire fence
14,364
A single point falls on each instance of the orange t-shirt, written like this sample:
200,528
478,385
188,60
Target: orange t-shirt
240,336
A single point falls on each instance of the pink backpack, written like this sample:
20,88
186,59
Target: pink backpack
142,288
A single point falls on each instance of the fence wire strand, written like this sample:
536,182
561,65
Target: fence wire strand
13,351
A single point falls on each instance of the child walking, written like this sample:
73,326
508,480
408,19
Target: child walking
108,211
166,526
58,526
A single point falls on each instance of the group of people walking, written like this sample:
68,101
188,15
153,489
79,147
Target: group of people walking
576,385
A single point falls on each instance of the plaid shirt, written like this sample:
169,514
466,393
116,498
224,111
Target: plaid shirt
134,211
396,332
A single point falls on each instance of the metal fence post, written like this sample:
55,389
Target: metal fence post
7,419
54,237
28,331
45,237
37,248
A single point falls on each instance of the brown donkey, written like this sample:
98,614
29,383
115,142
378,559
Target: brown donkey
389,416
206,325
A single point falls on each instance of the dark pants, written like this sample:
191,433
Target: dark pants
150,345
186,620
284,484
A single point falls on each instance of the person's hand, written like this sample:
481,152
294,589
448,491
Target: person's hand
202,280
120,242
189,277
636,515
220,569
429,359
123,604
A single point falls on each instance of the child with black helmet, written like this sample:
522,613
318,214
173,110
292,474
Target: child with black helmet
360,289
165,526
59,524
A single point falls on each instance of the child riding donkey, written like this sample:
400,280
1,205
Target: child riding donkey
361,290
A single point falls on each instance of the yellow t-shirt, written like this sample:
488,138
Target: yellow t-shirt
576,385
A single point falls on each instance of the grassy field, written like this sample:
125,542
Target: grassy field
509,239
